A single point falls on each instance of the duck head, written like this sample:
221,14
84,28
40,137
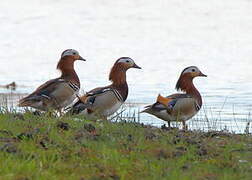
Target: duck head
118,71
126,63
68,57
187,76
192,71
73,54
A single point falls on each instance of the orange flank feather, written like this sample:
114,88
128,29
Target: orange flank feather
83,98
163,100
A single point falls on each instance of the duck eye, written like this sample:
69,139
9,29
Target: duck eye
74,53
193,70
127,61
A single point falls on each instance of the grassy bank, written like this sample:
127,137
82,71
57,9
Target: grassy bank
41,147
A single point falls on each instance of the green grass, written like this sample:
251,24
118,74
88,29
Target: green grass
42,147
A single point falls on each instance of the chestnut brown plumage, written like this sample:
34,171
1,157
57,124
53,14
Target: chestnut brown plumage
118,74
66,66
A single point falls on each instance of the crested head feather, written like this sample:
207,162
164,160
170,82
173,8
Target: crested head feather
178,85
187,68
124,59
64,52
69,52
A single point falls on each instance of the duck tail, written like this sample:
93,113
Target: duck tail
147,109
25,102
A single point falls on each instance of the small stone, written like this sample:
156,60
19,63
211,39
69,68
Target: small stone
37,113
202,152
130,137
63,125
177,153
162,154
22,136
181,148
150,135
43,145
89,127
28,135
185,167
115,177
242,161
9,147
19,116
6,132
8,140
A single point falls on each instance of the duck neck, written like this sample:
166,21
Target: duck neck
118,77
185,83
66,66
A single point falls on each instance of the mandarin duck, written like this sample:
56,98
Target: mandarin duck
104,101
180,106
60,92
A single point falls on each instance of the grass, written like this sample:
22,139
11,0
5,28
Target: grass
43,147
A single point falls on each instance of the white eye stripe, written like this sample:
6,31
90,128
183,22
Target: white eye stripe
70,52
191,69
126,60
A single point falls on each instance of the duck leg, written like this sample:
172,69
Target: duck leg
169,124
185,127
60,112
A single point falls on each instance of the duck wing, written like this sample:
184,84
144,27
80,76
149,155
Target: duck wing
182,103
101,98
51,89
166,103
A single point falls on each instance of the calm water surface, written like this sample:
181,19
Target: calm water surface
163,37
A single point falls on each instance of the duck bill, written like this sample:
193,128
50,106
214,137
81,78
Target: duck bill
203,75
136,66
81,58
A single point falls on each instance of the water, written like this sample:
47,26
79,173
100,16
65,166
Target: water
163,37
